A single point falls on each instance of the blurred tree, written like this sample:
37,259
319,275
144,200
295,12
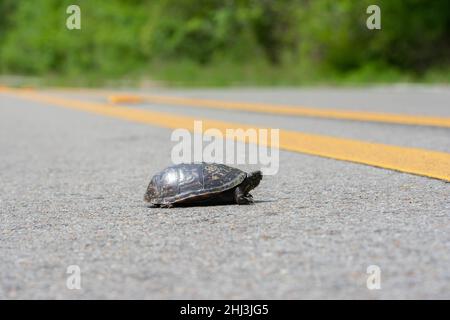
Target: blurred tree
120,36
416,33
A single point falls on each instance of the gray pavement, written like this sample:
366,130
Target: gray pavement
71,187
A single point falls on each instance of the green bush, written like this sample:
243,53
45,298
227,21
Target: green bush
291,40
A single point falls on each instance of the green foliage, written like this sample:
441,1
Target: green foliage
415,34
226,41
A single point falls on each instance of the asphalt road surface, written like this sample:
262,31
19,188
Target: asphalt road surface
72,185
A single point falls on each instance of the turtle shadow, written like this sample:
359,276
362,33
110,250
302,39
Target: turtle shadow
263,201
210,204
218,204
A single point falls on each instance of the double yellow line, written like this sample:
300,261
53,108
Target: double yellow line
286,110
410,160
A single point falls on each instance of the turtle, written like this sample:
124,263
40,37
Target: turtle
203,183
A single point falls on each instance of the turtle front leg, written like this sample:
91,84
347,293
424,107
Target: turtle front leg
241,197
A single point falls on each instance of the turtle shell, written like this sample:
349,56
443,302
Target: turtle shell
193,181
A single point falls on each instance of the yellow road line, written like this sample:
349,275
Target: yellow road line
286,110
289,110
126,98
410,160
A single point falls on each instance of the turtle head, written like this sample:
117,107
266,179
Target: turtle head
252,181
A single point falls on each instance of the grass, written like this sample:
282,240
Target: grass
227,74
